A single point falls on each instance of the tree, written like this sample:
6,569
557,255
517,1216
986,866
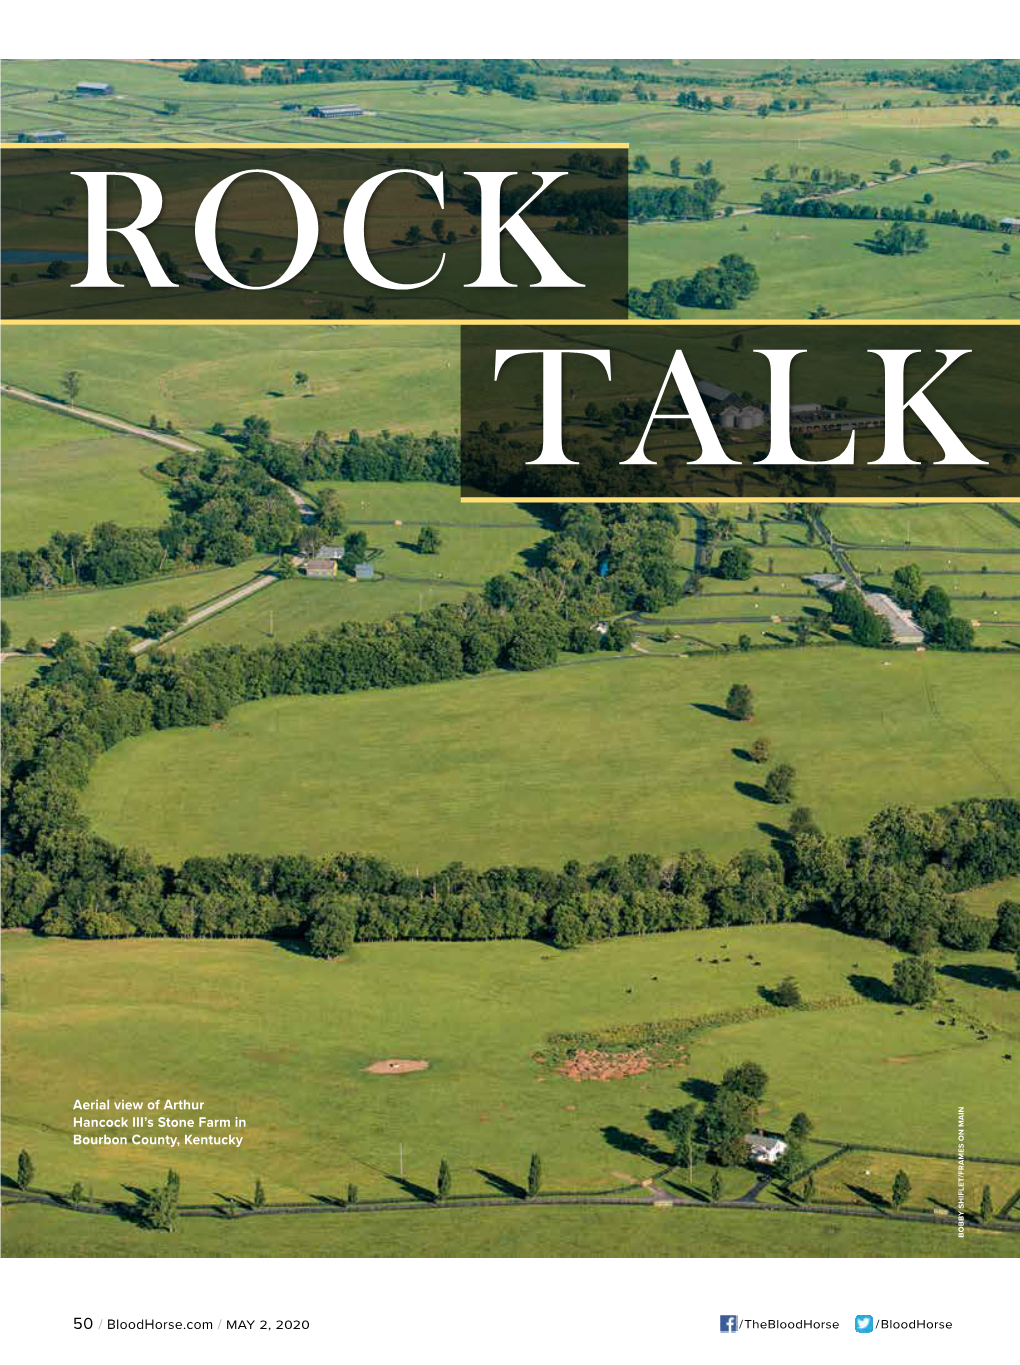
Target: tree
1007,927
900,1189
725,1122
258,1199
914,980
743,643
809,1190
534,1175
748,1078
735,563
158,1207
788,993
802,822
5,635
300,378
618,635
26,1170
429,541
352,1195
801,1126
740,702
444,1183
332,926
682,1129
715,1188
71,384
761,750
987,1208
641,164
779,784
77,1193
954,633
792,1161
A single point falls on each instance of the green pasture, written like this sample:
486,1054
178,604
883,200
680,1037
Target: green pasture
956,524
867,1177
950,565
17,671
195,376
985,900
596,757
993,190
91,613
226,1023
64,475
807,262
588,1232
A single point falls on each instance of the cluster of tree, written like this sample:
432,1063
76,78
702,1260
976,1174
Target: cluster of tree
484,74
714,286
899,240
932,608
983,77
675,202
384,458
867,627
718,1130
224,509
789,204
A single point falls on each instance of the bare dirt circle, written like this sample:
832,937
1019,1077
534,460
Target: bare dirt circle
396,1066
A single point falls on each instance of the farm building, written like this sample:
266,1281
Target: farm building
364,572
826,582
94,88
330,552
765,1149
46,135
1010,224
715,393
320,568
745,418
905,630
336,111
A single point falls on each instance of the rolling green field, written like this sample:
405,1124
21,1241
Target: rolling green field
956,524
589,759
591,1232
194,376
91,613
226,1023
985,900
62,475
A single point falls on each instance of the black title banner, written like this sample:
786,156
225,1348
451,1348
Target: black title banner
375,233
725,411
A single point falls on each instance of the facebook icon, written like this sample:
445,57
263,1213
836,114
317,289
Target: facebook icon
727,1322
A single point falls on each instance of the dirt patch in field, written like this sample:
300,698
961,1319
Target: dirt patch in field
396,1066
607,1066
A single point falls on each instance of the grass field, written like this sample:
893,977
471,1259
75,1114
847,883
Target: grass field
226,1023
867,1177
194,376
985,900
587,760
591,1232
957,524
91,613
62,475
